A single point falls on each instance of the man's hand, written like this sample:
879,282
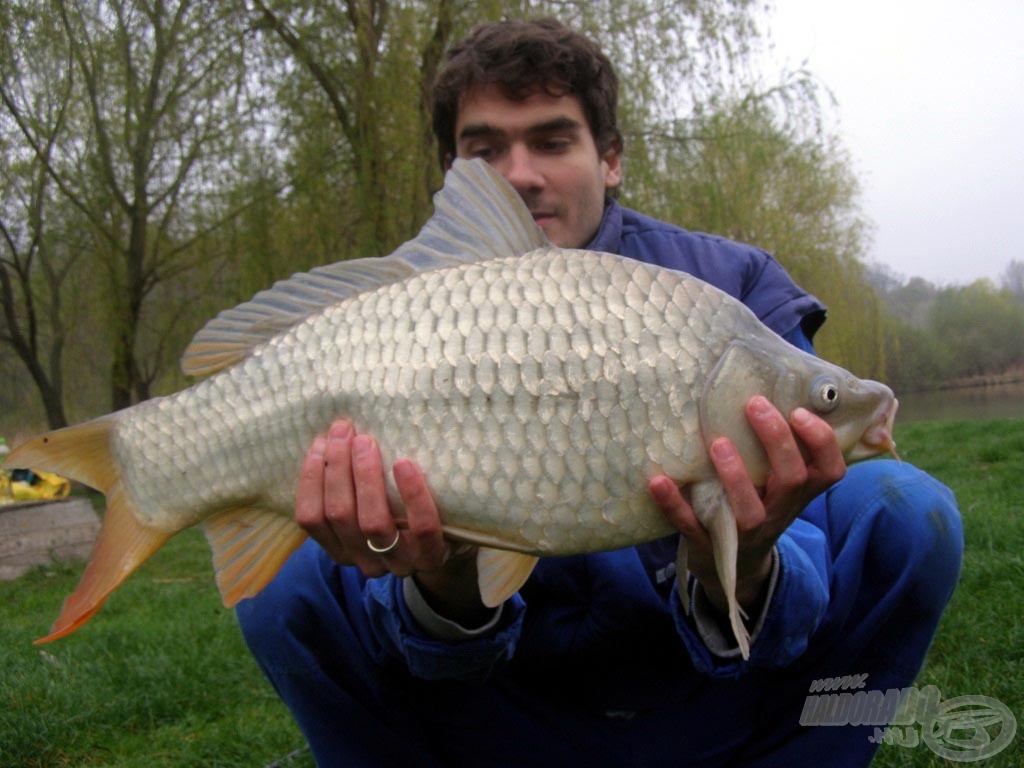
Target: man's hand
804,460
342,503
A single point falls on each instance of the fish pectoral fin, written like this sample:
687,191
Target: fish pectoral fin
501,573
711,506
122,546
740,373
250,545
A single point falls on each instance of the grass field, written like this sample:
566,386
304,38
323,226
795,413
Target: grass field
162,678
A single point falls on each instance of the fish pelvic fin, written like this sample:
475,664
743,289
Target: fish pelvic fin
249,547
712,508
477,216
501,573
83,453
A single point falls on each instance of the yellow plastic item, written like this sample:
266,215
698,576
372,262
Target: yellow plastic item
31,485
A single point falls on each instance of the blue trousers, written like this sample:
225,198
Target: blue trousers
603,679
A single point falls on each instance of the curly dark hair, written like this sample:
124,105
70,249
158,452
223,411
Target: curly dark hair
521,57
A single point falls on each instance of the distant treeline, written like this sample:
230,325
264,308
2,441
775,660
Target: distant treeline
941,336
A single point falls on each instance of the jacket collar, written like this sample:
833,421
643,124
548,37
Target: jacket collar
608,238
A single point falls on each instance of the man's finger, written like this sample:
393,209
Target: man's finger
340,504
788,466
339,498
739,489
425,534
309,499
375,521
677,510
823,452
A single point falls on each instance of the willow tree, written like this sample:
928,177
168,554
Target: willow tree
39,240
355,93
368,66
154,113
760,168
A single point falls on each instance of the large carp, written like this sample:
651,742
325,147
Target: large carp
538,388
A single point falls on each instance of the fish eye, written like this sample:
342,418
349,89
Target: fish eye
824,394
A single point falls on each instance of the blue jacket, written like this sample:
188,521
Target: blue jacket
619,611
743,271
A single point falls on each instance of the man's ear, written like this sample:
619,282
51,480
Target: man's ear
611,161
447,164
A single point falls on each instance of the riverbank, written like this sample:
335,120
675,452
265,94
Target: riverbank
1002,400
1012,375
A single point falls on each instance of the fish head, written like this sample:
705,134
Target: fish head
860,411
864,427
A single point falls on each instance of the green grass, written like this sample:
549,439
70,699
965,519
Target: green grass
979,648
161,676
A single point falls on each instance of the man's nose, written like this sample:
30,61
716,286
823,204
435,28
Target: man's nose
521,169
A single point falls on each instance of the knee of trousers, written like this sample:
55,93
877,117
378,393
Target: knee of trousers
261,620
306,653
916,534
290,612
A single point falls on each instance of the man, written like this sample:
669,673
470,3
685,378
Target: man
377,639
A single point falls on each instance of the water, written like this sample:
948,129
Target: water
1005,401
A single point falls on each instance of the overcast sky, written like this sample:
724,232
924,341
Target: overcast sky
931,106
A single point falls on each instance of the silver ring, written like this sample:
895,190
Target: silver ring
384,550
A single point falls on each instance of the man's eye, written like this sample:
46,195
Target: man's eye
554,146
482,152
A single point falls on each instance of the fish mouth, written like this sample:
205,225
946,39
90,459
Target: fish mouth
877,439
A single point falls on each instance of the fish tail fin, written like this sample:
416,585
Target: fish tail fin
83,453
122,546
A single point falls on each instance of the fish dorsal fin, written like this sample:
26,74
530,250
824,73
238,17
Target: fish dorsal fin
501,573
477,216
249,547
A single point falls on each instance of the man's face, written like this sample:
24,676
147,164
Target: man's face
543,146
